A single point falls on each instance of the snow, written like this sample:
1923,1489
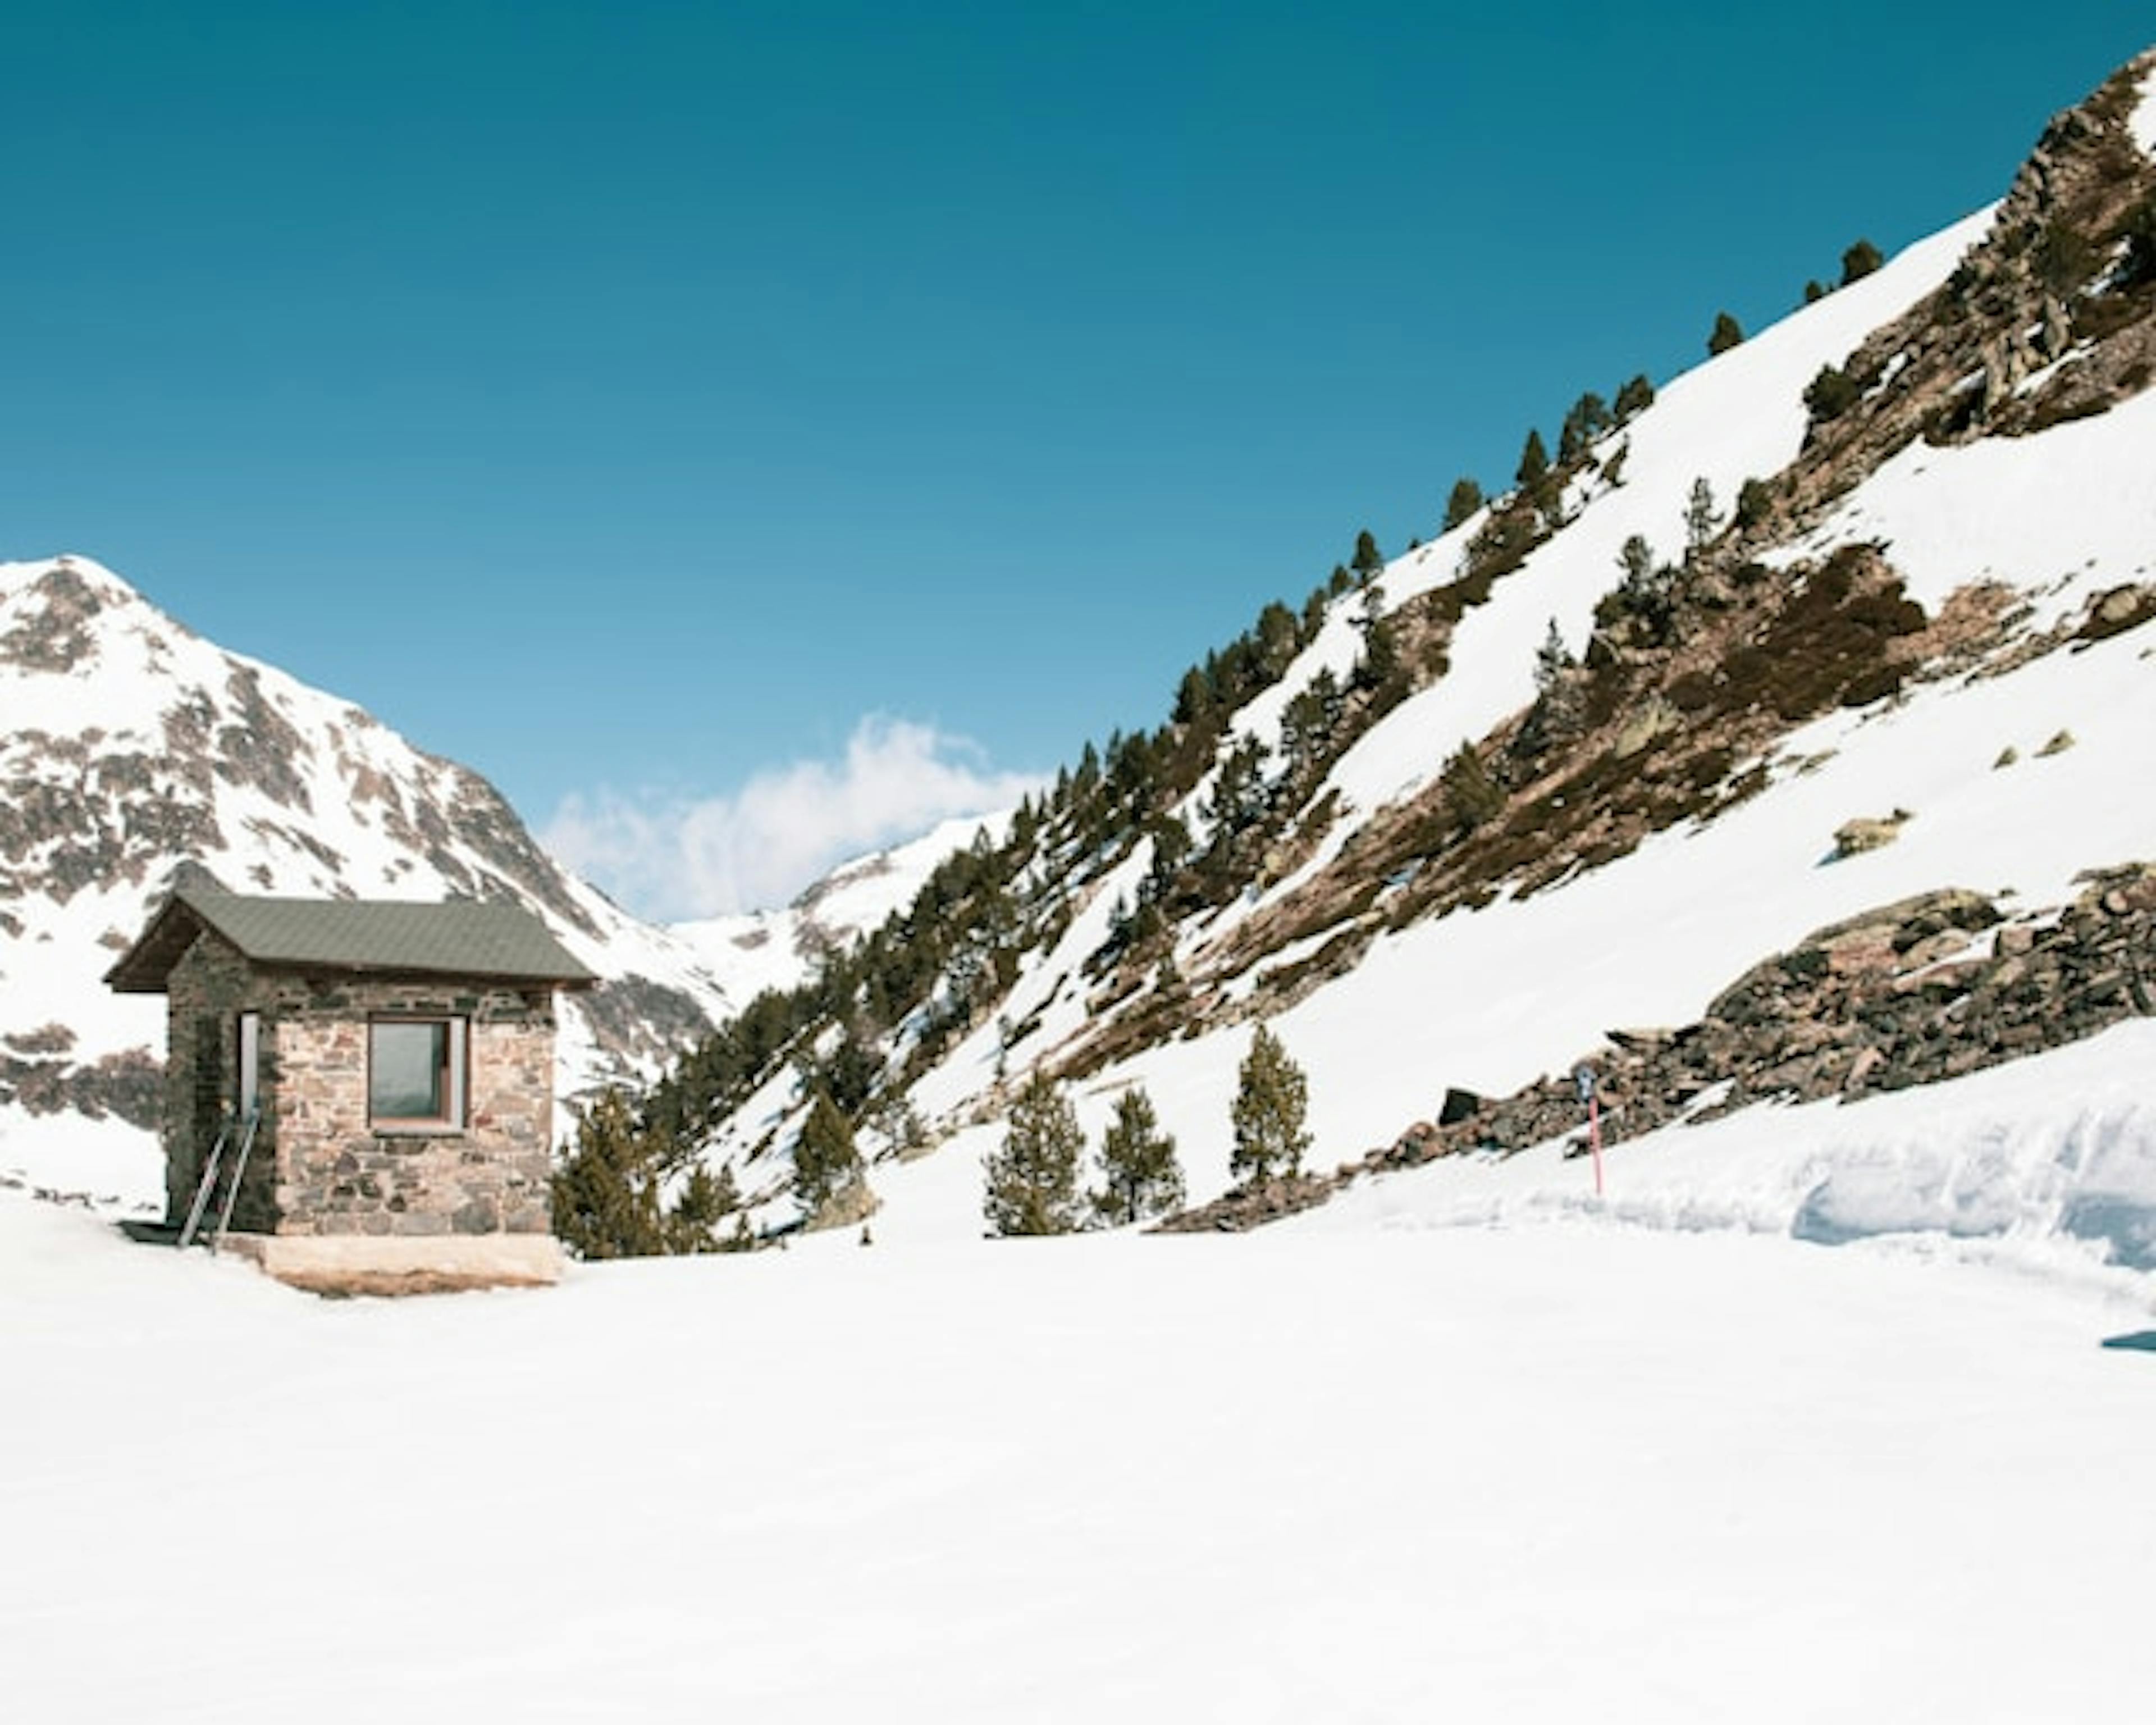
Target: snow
1738,416
2142,118
1365,1466
104,1164
759,950
2063,513
2051,1161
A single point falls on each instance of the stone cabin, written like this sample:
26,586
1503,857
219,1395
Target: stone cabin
399,1060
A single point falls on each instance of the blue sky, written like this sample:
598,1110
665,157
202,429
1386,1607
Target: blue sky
660,405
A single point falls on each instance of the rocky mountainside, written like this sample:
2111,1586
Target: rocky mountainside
1855,613
132,749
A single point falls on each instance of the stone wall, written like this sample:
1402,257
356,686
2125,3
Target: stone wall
338,1174
206,992
318,1167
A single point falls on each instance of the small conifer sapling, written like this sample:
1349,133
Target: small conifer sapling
1032,1184
1463,499
1139,1173
1272,1101
825,1161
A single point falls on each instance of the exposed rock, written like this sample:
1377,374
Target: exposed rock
1248,1206
1654,720
850,1205
1908,993
57,639
1852,837
129,1086
2114,613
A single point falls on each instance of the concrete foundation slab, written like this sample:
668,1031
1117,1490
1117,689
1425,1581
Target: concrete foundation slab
375,1264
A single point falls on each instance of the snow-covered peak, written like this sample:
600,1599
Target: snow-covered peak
133,746
758,950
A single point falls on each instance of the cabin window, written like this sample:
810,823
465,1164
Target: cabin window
415,1074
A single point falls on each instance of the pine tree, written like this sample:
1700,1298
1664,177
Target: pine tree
825,1160
1832,393
1858,261
1272,1098
1472,794
1140,1174
705,1201
1726,333
1534,471
1465,498
1646,592
1033,1180
1754,498
1552,660
605,1192
1636,396
1380,660
1587,419
1701,518
1368,563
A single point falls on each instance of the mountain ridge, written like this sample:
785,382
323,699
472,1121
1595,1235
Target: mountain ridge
136,750
1792,646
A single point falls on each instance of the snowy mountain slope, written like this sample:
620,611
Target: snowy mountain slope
2009,730
130,746
1738,416
778,949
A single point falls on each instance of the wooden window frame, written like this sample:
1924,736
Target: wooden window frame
453,1072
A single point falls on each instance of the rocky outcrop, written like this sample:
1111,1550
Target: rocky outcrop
2047,319
1913,993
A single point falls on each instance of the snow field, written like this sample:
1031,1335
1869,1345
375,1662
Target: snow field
1322,1473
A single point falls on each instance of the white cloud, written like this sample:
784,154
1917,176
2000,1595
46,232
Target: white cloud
675,858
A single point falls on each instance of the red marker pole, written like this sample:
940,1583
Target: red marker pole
1582,1077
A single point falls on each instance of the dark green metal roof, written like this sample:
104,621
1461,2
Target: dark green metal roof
489,941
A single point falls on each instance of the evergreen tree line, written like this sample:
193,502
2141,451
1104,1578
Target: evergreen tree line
901,995
1032,1181
1857,262
609,1187
904,993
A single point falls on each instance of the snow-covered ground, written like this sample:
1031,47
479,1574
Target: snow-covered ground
1366,1466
